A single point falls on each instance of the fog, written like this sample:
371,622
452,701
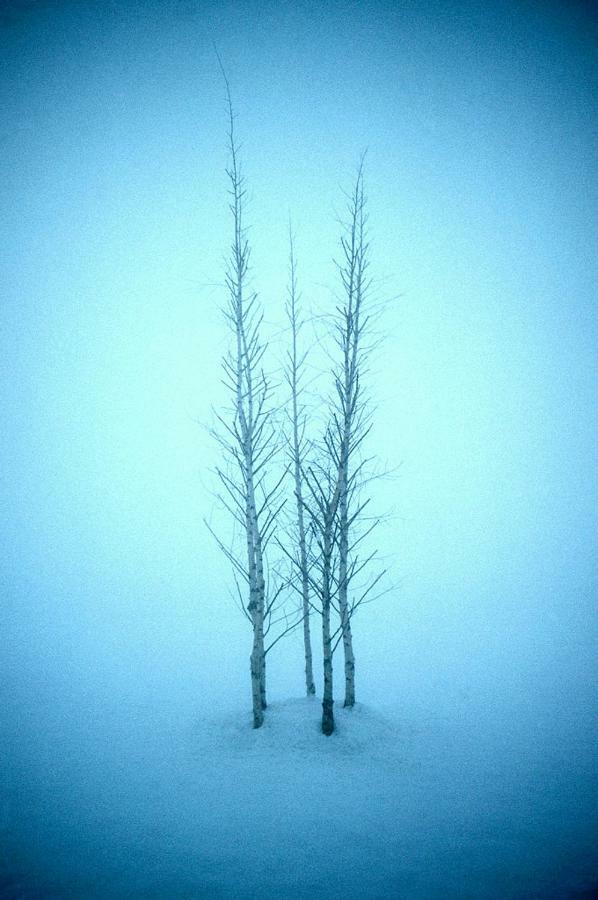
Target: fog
125,660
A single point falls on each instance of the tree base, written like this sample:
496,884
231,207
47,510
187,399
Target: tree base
327,717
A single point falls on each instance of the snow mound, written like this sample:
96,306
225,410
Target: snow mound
292,728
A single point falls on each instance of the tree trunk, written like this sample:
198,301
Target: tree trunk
328,697
346,626
255,610
343,574
309,673
263,680
310,686
256,566
293,378
349,666
256,681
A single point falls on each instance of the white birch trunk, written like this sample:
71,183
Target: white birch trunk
293,376
309,674
310,686
328,695
256,570
342,594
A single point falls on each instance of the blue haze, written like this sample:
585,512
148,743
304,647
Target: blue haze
479,120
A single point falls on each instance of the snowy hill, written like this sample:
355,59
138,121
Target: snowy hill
151,804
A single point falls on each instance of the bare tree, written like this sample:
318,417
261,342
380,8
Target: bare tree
322,505
350,419
249,439
294,372
335,476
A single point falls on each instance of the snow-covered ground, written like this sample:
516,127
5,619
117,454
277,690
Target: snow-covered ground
152,798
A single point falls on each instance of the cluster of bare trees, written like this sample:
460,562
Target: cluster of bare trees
294,495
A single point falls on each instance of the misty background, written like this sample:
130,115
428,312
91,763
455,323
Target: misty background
479,120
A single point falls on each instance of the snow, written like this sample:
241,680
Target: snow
153,798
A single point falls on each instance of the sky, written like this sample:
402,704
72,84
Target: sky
479,124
